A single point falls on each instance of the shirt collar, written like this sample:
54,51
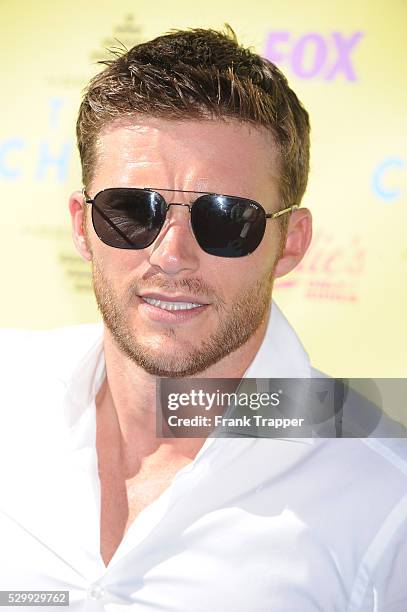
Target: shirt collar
281,354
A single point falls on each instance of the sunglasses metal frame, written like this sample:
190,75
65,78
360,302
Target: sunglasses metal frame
88,200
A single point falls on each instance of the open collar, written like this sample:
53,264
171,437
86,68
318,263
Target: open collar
281,355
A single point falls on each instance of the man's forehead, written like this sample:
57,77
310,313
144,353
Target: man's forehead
199,154
208,130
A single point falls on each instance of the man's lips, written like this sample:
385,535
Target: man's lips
172,305
168,297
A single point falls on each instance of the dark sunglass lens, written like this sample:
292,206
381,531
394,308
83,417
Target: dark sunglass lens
128,218
226,226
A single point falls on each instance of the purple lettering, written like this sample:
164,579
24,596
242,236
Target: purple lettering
343,63
320,52
273,39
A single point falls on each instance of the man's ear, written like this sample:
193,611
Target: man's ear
77,208
299,234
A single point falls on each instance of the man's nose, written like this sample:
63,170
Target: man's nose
175,250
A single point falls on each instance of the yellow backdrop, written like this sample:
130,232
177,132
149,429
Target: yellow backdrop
346,61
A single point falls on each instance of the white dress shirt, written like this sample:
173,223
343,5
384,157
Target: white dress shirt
251,525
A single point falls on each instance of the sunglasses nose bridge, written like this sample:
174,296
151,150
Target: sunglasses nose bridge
170,220
178,204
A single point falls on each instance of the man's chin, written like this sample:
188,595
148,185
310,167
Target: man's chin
166,365
166,355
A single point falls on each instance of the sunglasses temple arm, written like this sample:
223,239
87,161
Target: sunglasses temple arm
113,225
282,212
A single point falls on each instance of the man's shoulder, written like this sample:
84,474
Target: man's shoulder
36,369
46,348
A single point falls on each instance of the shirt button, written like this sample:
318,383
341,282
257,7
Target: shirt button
96,591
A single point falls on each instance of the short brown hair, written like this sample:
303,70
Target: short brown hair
199,74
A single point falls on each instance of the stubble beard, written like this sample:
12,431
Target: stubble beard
236,326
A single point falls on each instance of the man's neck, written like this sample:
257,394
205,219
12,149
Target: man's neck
126,405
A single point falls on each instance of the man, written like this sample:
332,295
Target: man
195,157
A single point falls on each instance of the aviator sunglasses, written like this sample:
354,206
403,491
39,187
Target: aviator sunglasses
223,225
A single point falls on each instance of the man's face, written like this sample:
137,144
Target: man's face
234,293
